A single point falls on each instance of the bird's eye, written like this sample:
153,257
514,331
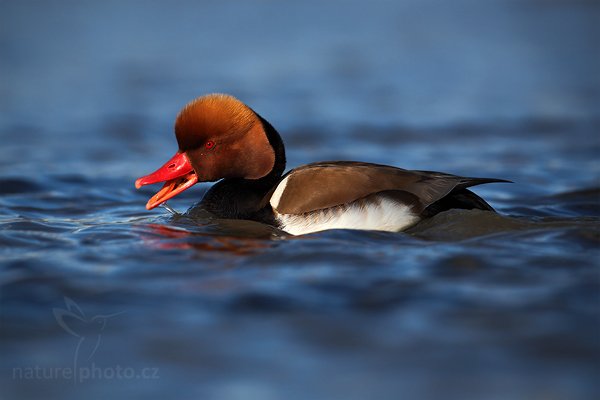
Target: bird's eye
209,145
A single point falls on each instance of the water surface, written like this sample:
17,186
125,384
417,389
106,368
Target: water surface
99,297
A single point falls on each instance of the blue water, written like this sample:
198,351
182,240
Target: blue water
100,298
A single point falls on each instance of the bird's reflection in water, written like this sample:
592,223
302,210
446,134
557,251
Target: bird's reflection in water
228,236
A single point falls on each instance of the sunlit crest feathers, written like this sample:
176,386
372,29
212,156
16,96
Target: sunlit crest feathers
210,117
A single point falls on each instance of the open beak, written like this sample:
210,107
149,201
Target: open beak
178,175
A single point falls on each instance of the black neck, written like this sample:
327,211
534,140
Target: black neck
246,198
278,148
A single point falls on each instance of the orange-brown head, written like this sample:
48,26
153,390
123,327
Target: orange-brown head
218,137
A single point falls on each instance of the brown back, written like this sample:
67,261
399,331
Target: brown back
327,184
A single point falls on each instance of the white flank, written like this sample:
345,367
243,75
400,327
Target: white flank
382,214
276,196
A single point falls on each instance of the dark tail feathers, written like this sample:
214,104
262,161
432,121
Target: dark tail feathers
462,198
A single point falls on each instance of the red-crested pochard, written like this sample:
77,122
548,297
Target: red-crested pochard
222,139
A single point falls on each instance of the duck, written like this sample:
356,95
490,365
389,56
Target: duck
221,139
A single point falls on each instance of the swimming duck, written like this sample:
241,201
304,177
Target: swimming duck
222,139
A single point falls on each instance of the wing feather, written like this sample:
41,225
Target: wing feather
324,185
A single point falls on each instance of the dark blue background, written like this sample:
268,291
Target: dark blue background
465,306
